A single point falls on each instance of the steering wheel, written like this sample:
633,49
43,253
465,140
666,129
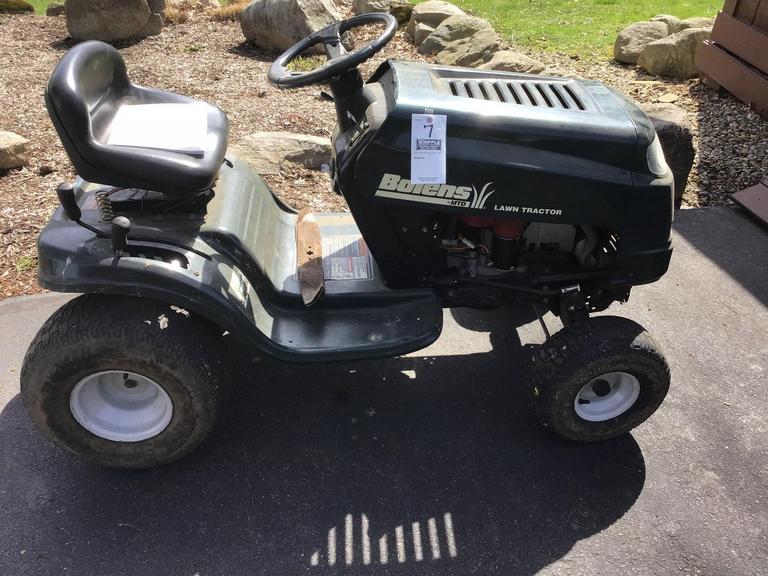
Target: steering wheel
339,60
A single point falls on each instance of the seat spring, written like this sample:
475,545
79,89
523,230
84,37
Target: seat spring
105,206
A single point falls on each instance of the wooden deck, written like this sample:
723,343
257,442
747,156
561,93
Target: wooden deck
755,200
736,55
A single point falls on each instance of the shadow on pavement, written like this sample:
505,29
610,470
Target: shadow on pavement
731,239
400,441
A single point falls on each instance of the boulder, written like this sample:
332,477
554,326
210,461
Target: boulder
675,55
278,24
676,138
421,33
432,13
632,39
451,29
154,25
16,6
511,61
366,6
156,6
55,9
696,22
472,51
265,152
400,9
672,22
12,149
111,20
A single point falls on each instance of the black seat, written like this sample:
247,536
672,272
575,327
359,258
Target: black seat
86,90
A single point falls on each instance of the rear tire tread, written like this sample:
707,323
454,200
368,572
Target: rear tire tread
86,325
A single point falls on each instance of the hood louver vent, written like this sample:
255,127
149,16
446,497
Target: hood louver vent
524,92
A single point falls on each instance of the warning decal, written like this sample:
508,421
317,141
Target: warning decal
346,257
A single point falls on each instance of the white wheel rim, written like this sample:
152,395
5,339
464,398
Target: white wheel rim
121,406
607,396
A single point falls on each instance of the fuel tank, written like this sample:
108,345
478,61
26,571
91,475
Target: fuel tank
522,146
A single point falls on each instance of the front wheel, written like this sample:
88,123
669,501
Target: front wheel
598,379
125,382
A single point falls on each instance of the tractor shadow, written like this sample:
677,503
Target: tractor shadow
401,441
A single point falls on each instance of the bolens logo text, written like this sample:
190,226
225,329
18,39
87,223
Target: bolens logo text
393,186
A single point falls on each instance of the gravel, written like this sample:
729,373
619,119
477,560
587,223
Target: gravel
209,60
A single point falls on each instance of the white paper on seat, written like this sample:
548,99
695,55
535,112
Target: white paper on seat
175,127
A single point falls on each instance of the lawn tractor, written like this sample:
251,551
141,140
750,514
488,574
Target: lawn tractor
466,188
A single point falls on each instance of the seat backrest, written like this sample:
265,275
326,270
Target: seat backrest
83,93
87,89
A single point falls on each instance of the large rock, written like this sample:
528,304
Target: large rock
110,20
16,6
154,25
696,22
451,29
55,9
511,61
432,13
279,24
12,149
472,51
676,137
421,33
672,22
400,9
632,39
675,55
366,6
267,151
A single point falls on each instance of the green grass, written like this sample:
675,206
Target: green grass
40,5
586,28
25,263
306,63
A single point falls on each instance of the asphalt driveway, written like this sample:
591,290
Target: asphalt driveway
432,462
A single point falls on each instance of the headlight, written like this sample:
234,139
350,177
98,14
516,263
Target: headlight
657,164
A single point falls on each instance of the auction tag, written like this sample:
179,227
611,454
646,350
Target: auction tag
428,148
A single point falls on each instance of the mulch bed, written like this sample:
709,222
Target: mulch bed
210,61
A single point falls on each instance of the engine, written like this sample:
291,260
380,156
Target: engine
477,246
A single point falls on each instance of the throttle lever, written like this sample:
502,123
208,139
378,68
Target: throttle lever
66,193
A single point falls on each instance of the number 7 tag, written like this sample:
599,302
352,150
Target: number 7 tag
428,138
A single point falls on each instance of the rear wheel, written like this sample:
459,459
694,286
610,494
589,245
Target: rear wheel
598,379
125,382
